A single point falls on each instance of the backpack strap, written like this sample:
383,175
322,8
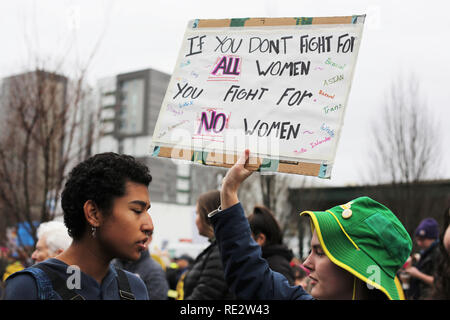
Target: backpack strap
59,284
43,284
124,286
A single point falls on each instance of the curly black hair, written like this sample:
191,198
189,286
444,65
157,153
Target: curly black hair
101,178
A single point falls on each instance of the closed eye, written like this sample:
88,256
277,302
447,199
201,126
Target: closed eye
318,250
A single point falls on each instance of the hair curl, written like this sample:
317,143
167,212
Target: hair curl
101,178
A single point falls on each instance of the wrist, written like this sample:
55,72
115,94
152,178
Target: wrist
228,198
229,186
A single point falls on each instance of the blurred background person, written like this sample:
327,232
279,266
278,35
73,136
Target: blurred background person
175,272
205,280
421,273
18,260
301,276
4,261
267,233
442,275
53,238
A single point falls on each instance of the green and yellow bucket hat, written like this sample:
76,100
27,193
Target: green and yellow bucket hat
366,239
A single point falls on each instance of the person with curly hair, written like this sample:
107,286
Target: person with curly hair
105,202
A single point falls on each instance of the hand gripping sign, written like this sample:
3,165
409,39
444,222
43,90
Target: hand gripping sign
277,86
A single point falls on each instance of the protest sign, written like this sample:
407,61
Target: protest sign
277,86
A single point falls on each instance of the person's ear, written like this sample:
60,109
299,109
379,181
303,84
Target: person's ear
91,213
260,239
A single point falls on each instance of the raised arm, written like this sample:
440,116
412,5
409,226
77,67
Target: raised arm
247,273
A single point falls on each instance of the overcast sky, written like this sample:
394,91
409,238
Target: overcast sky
399,37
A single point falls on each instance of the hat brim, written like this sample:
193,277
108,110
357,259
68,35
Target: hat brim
343,252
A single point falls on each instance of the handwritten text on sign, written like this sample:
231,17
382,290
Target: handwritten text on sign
280,91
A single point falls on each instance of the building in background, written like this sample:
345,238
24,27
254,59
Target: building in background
47,125
119,115
32,136
130,105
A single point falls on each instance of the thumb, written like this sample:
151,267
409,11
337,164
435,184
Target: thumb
243,159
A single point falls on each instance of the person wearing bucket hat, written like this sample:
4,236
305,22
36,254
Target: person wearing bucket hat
364,238
427,239
356,247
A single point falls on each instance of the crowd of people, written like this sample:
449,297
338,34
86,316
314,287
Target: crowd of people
359,250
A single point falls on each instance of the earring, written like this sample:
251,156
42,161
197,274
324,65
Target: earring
93,231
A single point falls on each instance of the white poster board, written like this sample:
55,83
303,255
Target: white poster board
278,87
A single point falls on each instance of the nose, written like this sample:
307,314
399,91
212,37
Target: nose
308,263
34,255
147,226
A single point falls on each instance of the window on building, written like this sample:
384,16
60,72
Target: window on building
131,107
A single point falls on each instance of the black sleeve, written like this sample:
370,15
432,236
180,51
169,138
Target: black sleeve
211,283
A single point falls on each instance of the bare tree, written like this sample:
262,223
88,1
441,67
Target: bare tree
407,147
269,190
47,124
406,150
274,191
41,118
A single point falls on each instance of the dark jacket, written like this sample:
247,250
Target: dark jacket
247,273
150,272
418,289
205,280
279,256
